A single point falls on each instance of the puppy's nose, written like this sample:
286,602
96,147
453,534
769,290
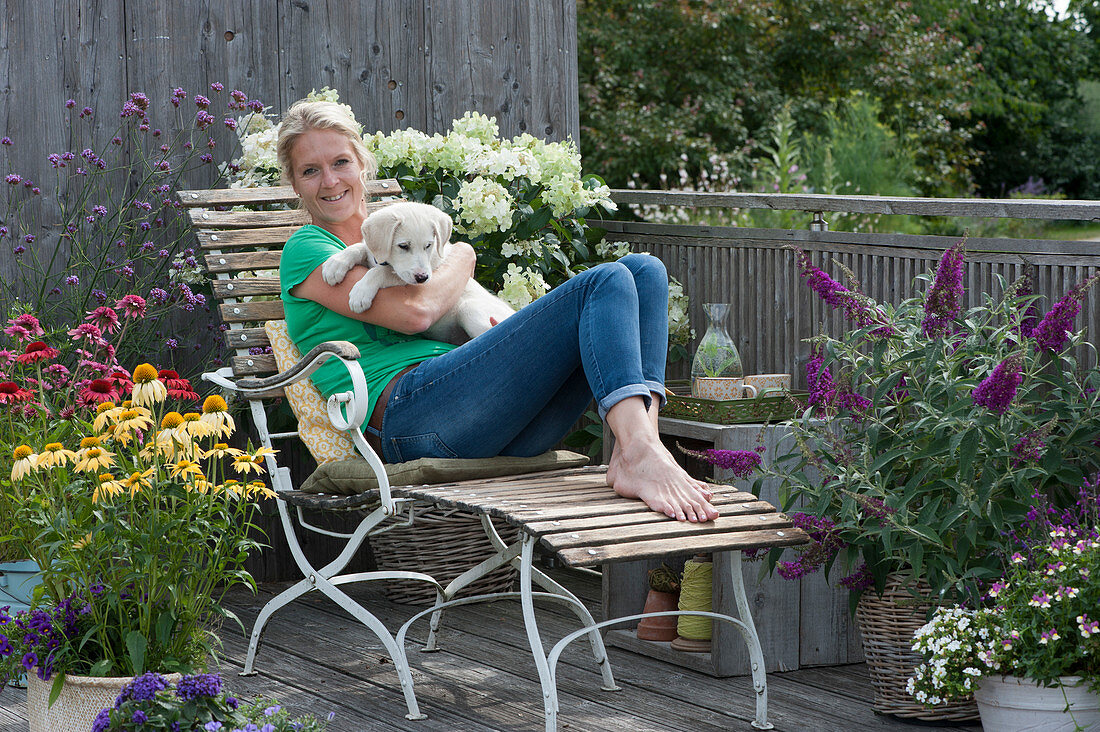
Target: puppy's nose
420,277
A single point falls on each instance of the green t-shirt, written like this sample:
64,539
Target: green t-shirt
383,352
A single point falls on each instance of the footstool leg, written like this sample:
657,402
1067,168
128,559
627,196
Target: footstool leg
752,640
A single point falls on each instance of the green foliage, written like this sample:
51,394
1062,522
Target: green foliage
920,468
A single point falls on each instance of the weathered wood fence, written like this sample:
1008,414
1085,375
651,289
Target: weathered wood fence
773,311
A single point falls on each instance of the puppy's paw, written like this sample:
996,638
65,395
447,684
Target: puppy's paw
361,298
336,268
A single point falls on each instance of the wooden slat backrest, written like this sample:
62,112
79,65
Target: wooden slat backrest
241,248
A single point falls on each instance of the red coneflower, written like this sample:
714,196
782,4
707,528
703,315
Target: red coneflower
120,379
10,393
132,306
177,388
104,318
98,391
37,351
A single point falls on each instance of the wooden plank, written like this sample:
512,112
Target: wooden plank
254,365
1017,208
251,312
209,198
729,526
246,338
208,219
590,556
245,287
538,528
266,236
246,261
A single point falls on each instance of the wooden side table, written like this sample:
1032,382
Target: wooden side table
801,623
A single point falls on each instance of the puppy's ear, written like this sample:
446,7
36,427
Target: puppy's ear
443,226
378,231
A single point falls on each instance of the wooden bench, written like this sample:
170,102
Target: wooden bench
572,513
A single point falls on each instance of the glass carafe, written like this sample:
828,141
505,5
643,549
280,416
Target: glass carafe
716,356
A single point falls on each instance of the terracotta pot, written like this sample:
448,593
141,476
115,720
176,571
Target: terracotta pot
662,628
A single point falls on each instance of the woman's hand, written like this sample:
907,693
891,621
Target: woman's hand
406,309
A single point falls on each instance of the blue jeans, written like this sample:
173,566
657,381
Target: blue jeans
518,388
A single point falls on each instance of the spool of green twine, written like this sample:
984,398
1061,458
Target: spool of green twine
695,594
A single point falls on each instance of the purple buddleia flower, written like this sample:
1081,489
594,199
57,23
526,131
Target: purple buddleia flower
857,307
825,542
944,300
1054,329
1030,319
741,463
820,381
859,580
1029,448
998,389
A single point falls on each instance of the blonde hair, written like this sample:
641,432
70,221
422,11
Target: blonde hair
304,116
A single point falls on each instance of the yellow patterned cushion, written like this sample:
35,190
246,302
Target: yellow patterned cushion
324,441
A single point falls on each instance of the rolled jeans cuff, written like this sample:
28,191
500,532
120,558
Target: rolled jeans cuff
624,392
656,387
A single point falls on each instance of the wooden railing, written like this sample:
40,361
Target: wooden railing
773,311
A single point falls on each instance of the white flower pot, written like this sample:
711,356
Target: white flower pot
1013,704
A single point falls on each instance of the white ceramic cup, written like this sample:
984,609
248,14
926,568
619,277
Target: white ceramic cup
721,389
765,384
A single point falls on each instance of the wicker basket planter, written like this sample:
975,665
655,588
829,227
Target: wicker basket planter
887,625
80,700
442,542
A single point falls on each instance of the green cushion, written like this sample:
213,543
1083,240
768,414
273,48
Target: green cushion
349,477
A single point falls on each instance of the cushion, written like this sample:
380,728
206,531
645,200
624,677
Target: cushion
349,477
325,442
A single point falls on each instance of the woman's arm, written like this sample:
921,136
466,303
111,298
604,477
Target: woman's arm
406,309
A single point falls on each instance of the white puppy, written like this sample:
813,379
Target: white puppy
403,244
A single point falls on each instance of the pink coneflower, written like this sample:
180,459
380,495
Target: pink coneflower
87,332
6,358
998,389
105,318
132,306
28,321
98,391
37,351
18,332
177,388
11,393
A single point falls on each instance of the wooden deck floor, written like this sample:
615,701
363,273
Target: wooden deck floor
316,659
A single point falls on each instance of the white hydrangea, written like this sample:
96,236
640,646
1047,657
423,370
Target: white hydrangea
458,153
483,206
526,249
476,125
522,286
679,325
408,147
331,95
259,164
506,162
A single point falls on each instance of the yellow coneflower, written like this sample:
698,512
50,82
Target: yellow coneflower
215,412
195,427
108,487
221,450
83,541
171,421
233,486
188,469
246,464
201,485
258,486
25,461
148,389
105,415
137,481
92,459
90,442
54,454
131,421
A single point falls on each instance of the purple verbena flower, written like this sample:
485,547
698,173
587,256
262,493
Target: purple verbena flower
998,389
944,300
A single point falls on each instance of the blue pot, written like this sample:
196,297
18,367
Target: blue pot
17,583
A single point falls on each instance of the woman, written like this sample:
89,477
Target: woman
515,390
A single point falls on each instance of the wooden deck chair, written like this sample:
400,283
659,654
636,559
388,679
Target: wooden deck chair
569,511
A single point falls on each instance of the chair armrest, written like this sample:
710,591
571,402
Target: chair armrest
302,369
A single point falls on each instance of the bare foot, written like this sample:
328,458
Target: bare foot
650,473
